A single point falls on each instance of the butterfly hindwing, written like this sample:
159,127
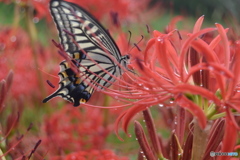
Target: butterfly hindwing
94,53
71,87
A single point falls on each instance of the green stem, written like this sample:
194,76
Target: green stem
200,137
16,18
217,116
211,111
106,112
34,40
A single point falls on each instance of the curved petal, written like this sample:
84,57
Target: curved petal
211,56
224,39
184,88
215,68
198,24
186,46
116,125
150,43
129,115
193,108
161,47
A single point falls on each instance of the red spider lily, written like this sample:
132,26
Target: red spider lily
168,77
164,68
199,75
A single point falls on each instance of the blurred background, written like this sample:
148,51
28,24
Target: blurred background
28,58
214,10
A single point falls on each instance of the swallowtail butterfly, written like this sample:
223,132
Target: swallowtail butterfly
92,51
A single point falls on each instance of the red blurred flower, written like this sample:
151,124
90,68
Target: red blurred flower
16,53
126,9
94,154
41,8
72,130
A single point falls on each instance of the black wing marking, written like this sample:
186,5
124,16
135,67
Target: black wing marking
71,87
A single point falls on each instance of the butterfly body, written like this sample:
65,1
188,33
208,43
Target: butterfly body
91,49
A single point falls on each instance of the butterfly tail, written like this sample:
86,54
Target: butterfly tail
58,93
45,100
76,96
71,87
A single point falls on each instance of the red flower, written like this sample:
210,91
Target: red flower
200,75
71,130
125,9
15,47
94,154
18,55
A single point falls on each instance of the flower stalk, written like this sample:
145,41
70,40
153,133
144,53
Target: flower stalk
200,140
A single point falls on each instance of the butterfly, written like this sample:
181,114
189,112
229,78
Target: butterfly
92,50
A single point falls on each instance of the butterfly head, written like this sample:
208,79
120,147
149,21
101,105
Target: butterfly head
124,61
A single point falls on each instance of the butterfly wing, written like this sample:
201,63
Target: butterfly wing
91,48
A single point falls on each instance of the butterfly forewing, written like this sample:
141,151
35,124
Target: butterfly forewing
95,56
88,33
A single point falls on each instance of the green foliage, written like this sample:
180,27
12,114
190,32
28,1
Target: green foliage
6,13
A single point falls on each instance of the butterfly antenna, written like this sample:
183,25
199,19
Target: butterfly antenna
130,36
148,29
